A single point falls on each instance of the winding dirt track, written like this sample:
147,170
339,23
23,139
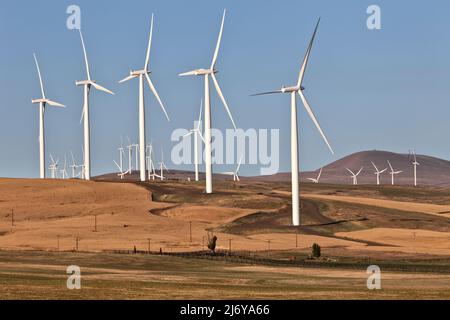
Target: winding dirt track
432,209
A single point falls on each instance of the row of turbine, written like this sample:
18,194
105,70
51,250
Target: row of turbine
377,173
207,74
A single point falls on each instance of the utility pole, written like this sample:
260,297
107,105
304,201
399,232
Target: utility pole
203,243
230,248
77,240
268,252
12,218
190,231
149,245
296,240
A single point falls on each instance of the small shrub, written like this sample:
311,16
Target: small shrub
316,251
212,243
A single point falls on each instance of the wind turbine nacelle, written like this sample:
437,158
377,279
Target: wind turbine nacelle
139,72
290,89
84,82
199,72
38,101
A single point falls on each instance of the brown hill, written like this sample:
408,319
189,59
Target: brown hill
431,172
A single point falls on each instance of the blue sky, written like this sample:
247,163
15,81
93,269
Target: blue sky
386,89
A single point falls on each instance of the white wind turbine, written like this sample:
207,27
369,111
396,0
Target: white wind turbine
293,91
318,177
64,170
53,167
393,172
73,166
415,164
197,134
141,74
122,174
121,152
130,156
207,73
235,174
162,166
355,176
87,84
378,173
42,105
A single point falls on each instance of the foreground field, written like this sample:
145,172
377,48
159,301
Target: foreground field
26,275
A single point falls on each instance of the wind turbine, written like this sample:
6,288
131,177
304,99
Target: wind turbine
73,166
378,173
207,73
293,91
162,166
235,174
318,177
64,170
122,174
355,176
415,164
141,74
130,156
87,84
42,105
393,173
197,133
53,167
121,152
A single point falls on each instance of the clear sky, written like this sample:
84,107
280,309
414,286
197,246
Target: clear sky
385,89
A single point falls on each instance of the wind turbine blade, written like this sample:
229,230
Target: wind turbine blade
88,71
200,116
382,171
374,166
239,165
55,104
201,136
306,59
216,53
152,87
118,166
265,93
147,59
40,76
219,91
189,73
360,170
100,88
320,173
73,158
82,115
188,134
314,119
130,77
390,166
351,172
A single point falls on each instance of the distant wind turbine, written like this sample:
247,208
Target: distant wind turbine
42,105
162,166
393,172
53,167
207,73
355,175
197,134
293,91
87,84
318,177
378,173
235,174
145,72
415,164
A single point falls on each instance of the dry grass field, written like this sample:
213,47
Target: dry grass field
396,226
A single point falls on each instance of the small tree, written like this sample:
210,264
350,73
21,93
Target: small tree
212,243
316,251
